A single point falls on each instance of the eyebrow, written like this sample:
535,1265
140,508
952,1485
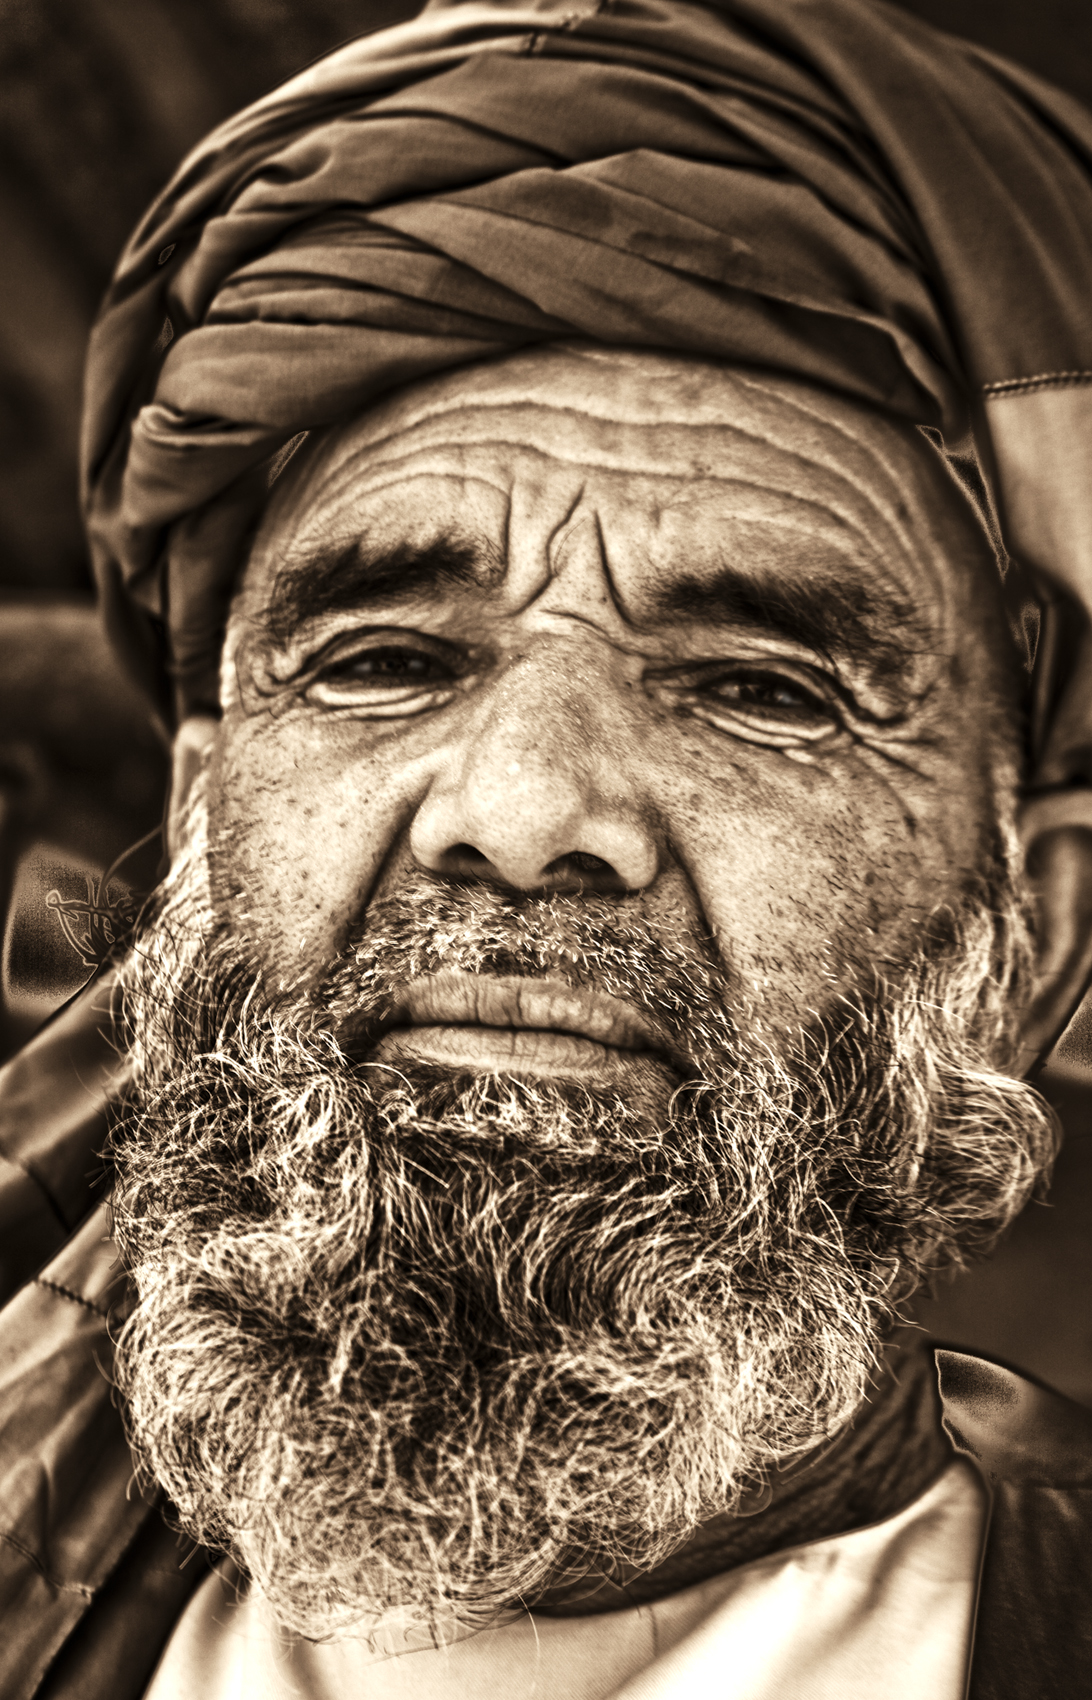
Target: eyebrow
871,628
352,576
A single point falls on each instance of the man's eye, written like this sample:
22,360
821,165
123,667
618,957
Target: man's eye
394,666
758,704
384,679
766,692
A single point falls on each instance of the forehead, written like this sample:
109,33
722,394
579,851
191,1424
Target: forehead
683,468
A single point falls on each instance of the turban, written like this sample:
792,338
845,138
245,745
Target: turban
825,188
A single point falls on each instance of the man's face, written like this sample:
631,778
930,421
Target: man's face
721,651
545,1078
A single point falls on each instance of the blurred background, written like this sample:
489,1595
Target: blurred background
100,102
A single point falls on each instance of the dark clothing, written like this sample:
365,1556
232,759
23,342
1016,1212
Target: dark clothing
1033,1627
91,1579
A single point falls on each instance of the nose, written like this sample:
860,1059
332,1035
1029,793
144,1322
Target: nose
542,791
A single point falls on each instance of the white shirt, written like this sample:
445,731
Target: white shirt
883,1613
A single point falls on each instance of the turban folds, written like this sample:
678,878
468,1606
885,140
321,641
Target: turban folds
826,188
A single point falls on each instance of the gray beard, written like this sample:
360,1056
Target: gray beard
410,1339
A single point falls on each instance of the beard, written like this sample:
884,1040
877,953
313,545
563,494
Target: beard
413,1339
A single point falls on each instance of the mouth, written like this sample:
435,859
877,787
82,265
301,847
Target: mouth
516,1024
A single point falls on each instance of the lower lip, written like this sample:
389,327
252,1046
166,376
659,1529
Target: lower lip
512,1050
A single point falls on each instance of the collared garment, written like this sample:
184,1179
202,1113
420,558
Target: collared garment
881,1613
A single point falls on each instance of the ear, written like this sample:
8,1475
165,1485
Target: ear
1056,830
192,744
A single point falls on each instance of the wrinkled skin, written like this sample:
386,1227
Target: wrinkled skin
801,797
615,719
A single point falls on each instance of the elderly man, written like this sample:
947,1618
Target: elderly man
631,836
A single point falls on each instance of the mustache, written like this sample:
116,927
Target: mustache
432,934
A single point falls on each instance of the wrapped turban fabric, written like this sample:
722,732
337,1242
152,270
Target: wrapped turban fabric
826,188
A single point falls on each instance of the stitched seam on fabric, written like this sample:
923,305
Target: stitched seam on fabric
1040,381
67,1293
81,1588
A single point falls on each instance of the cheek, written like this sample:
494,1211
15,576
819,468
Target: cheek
805,874
299,829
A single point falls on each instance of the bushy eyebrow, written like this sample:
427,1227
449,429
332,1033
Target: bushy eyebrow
353,576
870,627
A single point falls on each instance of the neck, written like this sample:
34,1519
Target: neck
889,1452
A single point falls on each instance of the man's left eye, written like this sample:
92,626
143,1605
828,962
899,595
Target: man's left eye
765,691
758,703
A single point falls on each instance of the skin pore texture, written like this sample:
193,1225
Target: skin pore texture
809,802
584,999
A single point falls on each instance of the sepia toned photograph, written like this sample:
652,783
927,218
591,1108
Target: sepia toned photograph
545,850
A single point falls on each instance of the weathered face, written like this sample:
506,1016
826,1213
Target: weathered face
715,646
597,717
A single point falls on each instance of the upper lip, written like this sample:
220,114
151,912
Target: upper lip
459,999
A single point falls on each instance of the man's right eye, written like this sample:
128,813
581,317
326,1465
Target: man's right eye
383,679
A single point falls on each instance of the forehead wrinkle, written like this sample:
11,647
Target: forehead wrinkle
784,539
832,472
451,417
903,495
788,504
794,518
846,511
684,482
649,463
394,477
483,402
376,477
861,501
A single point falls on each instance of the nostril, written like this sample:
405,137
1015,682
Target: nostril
577,870
579,862
464,860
